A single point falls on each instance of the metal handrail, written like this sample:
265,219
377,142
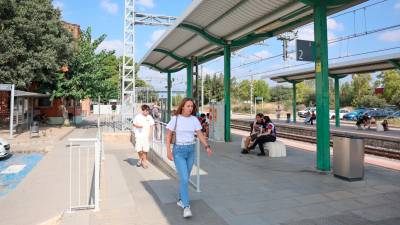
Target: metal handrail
93,193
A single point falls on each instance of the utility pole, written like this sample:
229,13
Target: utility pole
285,38
202,88
251,95
128,84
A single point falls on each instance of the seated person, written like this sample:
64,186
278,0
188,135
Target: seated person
204,124
268,135
255,128
385,125
310,119
363,120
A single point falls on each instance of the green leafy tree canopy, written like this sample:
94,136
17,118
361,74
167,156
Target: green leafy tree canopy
33,42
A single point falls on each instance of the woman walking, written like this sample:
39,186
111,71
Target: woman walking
184,125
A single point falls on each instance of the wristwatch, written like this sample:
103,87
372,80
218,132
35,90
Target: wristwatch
207,146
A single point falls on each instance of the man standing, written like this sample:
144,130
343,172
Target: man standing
278,112
143,124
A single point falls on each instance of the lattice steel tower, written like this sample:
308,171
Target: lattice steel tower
128,95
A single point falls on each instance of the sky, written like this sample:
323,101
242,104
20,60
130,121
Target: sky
369,21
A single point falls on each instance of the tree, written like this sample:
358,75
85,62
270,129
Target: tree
261,89
176,100
346,94
213,87
90,74
305,92
33,42
244,90
360,87
280,93
370,101
396,100
390,80
235,90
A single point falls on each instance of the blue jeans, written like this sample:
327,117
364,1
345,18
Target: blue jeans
184,159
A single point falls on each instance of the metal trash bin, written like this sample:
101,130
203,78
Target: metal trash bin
348,157
34,129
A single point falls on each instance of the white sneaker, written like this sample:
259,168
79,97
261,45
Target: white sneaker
180,204
187,212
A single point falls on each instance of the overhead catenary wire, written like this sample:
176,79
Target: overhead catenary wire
331,41
308,63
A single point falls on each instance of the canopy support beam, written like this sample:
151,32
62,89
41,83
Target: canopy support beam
322,86
189,79
227,91
169,97
337,99
172,55
209,37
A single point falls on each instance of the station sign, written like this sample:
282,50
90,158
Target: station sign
305,50
5,87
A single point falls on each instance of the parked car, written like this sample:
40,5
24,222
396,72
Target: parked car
391,108
342,112
354,115
4,148
395,115
394,118
306,112
377,114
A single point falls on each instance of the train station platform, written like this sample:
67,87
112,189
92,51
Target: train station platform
241,189
235,189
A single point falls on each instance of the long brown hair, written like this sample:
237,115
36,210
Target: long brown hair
183,102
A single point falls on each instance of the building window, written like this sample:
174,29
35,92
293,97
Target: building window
44,102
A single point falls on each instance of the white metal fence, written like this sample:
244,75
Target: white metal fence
116,122
85,155
159,147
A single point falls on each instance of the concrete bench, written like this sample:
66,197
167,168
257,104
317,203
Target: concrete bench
275,149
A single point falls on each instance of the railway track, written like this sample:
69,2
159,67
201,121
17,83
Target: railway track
368,149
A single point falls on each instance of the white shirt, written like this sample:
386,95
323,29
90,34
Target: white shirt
185,129
146,122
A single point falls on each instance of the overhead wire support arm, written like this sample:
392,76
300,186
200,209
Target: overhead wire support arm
153,20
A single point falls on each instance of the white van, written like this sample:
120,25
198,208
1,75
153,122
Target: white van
4,148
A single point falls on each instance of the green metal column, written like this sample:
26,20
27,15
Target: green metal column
169,84
322,86
227,91
189,80
337,102
294,101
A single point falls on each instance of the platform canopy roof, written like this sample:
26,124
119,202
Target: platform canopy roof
29,94
364,65
208,25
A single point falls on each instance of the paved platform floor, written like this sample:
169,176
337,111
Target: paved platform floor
246,190
43,194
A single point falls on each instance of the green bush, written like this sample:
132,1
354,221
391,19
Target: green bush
370,101
396,100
